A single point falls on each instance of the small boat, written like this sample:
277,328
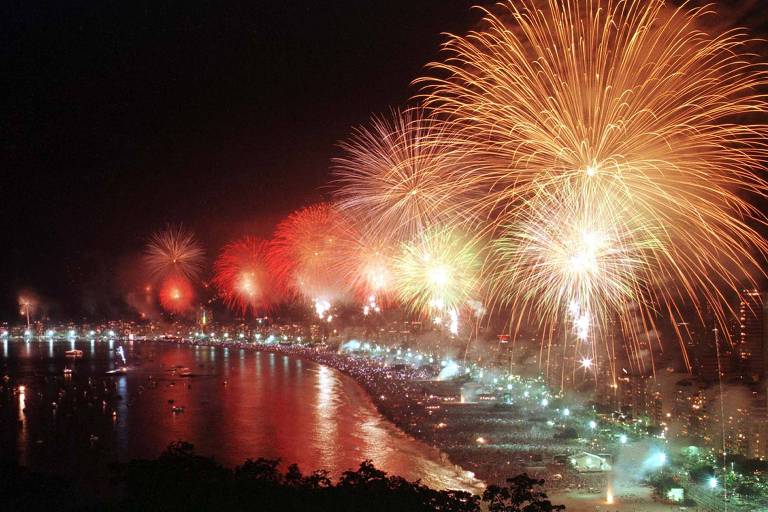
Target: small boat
74,353
177,409
184,372
67,371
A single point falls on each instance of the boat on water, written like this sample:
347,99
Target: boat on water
74,353
67,371
184,372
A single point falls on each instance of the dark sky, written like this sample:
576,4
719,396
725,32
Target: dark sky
119,117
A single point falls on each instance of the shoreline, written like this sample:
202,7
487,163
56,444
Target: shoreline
469,478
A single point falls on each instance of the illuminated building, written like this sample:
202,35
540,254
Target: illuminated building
689,408
758,428
752,335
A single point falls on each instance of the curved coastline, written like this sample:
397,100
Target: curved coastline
332,361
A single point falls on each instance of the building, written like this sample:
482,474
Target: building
751,344
689,408
758,427
713,356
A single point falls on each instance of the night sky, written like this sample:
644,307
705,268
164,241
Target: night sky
119,117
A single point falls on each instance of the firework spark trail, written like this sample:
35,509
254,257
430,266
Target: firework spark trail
304,249
241,276
174,251
627,104
394,177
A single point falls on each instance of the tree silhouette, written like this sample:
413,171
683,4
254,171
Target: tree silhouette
520,495
181,480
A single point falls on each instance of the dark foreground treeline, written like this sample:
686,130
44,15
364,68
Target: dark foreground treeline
181,480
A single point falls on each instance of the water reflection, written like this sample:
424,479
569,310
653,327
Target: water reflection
233,409
325,420
22,418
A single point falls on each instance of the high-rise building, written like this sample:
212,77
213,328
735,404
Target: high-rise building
712,356
752,351
758,427
689,408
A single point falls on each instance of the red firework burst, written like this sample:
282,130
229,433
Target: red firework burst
366,264
242,277
304,252
176,294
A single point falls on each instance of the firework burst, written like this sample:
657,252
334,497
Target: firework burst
577,260
365,262
242,277
394,177
437,272
632,107
176,294
174,252
305,250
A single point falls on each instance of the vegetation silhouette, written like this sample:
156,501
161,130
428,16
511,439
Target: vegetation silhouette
179,479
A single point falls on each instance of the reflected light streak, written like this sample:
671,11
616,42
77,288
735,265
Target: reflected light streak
23,434
326,425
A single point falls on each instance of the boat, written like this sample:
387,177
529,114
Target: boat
184,372
67,371
74,353
177,409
